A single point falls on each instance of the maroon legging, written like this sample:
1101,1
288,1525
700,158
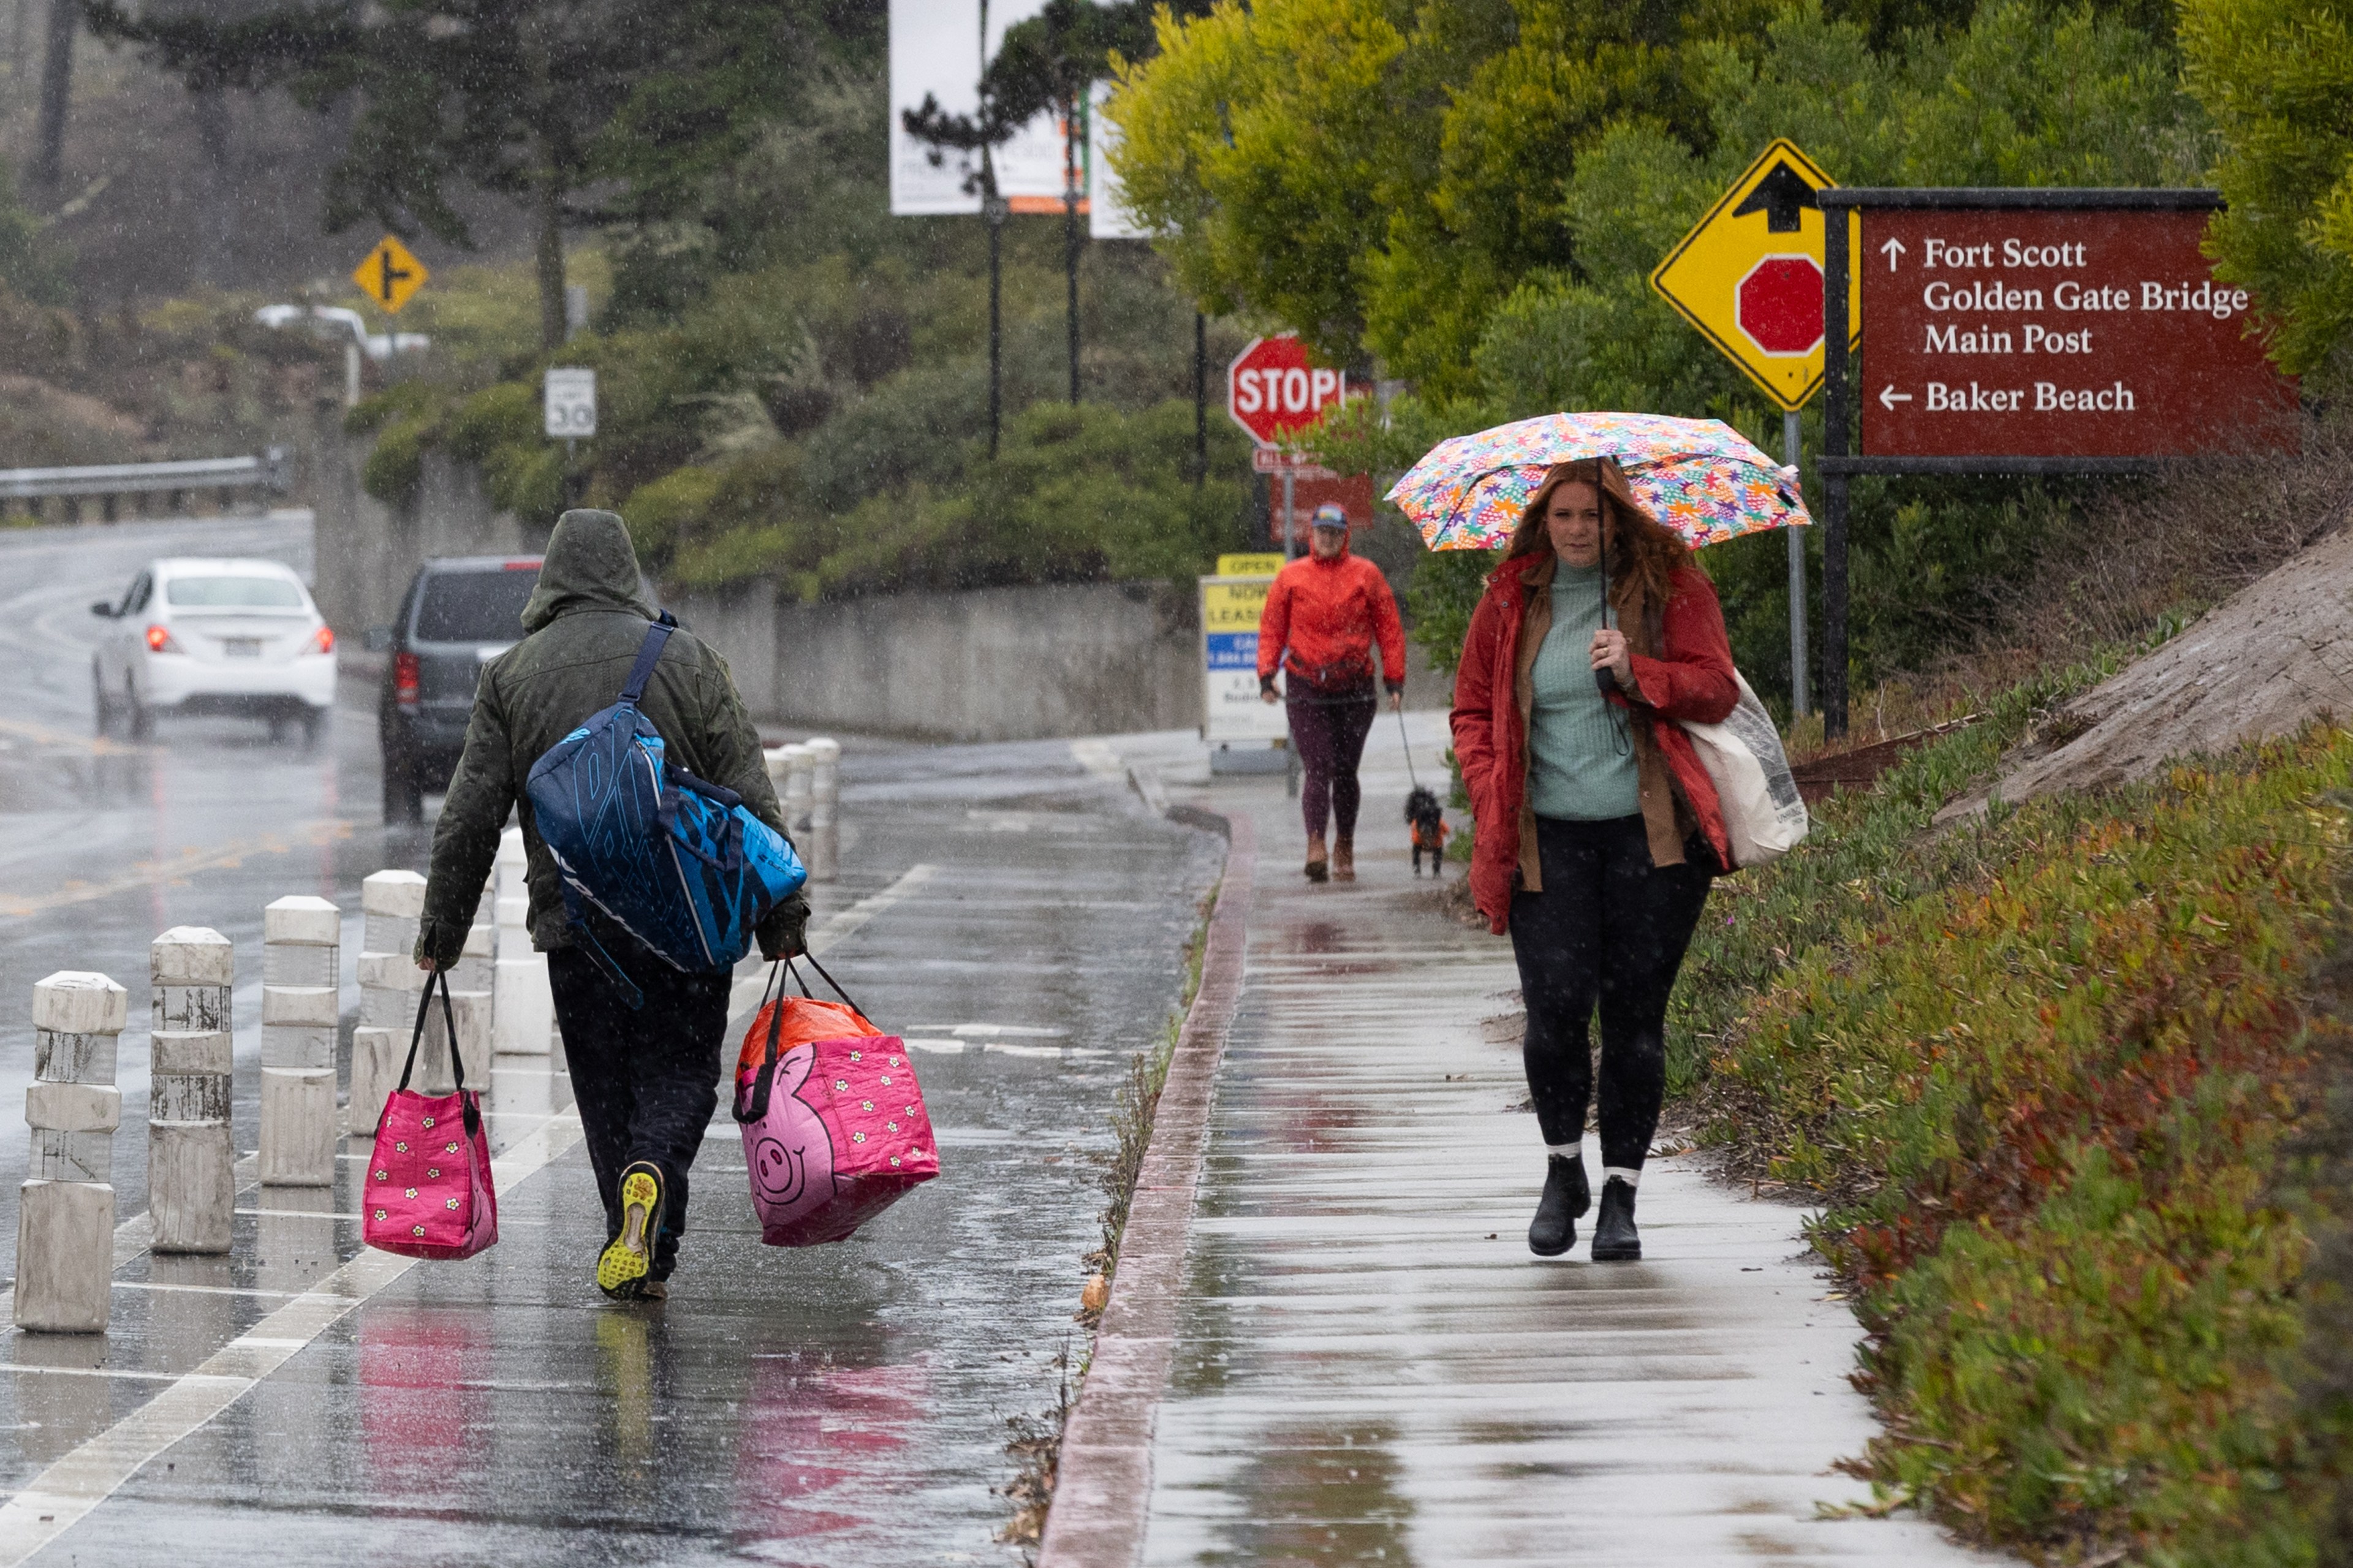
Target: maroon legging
1329,733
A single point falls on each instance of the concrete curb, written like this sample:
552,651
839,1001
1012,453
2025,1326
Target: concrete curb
1102,1495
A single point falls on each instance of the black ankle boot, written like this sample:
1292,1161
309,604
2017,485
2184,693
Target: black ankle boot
1566,1197
1615,1239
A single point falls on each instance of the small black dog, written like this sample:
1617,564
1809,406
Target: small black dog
1429,824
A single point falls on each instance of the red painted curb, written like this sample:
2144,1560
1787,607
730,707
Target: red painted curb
1102,1495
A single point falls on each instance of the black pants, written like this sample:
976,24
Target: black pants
645,1080
1329,733
1608,928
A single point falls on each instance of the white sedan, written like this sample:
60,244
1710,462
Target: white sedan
199,635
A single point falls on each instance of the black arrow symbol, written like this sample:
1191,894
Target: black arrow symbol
387,274
1780,195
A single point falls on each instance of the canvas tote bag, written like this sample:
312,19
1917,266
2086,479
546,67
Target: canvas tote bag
1764,815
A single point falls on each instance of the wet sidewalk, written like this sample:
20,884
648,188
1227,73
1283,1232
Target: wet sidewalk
1367,1363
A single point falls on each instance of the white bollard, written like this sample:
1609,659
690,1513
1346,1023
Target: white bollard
471,1000
523,1016
301,1011
65,1223
391,904
793,794
389,983
823,856
191,1158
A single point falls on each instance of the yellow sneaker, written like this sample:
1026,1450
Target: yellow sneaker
622,1269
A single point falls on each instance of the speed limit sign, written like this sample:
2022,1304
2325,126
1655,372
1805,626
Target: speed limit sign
571,403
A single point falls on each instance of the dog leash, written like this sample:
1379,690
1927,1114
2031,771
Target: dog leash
1409,747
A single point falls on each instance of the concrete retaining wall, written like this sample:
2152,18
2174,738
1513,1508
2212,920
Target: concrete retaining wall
995,664
367,551
991,664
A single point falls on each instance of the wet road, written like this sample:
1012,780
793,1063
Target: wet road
1014,914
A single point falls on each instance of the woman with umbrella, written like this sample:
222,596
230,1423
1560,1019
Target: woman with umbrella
1598,830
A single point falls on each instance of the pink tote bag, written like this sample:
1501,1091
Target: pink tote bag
834,1130
428,1192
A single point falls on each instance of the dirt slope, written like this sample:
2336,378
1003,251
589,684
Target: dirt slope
2275,654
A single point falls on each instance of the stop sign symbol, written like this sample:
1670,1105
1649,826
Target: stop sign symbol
1779,304
1272,390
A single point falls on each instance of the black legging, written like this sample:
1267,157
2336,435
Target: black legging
1609,926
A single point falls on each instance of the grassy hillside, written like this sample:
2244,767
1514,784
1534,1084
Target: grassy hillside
2070,1080
807,397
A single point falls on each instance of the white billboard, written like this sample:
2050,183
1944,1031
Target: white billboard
938,47
1108,217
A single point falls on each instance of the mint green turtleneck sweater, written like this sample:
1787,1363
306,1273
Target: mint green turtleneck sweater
1579,766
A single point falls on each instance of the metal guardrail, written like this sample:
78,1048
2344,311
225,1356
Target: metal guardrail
266,471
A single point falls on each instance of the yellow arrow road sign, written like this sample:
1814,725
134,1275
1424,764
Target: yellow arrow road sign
390,275
1749,275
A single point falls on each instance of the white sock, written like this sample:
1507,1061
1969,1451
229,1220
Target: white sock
1627,1175
1567,1150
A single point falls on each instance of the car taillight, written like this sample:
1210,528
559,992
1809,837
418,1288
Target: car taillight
159,640
322,641
405,679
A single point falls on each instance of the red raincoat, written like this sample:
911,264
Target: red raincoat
1683,663
1321,619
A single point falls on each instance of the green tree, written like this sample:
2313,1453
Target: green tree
547,104
2277,77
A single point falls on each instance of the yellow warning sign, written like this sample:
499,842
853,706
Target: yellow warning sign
390,275
1749,275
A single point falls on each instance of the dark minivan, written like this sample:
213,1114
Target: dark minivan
459,612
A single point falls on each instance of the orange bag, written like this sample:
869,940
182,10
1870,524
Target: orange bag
807,1020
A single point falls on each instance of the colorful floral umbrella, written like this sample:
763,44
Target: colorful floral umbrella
1699,477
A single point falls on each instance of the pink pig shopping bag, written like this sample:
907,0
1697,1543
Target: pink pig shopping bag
834,1128
427,1191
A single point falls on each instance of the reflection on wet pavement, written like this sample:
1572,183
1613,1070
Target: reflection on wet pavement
1369,1365
843,1404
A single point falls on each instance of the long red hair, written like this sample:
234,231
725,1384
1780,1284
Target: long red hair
1643,552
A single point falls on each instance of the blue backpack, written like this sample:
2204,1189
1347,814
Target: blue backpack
676,861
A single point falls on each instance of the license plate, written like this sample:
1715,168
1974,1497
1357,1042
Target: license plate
241,647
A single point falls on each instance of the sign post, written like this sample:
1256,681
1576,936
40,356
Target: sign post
1746,275
1273,391
1231,603
2029,331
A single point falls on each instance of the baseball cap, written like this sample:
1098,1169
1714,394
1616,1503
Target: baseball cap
1330,515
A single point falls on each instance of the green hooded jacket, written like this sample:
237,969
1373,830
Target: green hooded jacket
587,623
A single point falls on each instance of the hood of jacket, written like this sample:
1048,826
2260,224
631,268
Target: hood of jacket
589,565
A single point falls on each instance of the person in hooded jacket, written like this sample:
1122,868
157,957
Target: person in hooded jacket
1322,614
645,1078
1599,829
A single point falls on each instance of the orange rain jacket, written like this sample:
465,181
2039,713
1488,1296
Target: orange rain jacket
1320,621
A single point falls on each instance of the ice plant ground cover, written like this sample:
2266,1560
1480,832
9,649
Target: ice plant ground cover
2067,1081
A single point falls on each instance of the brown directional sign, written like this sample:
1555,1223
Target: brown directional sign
2057,334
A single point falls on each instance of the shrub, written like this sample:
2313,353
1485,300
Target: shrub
2050,1098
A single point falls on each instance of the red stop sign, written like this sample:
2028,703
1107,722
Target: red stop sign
1779,304
1271,389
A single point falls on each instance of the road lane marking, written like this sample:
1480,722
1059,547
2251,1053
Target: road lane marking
830,934
1099,759
171,870
204,1290
59,1497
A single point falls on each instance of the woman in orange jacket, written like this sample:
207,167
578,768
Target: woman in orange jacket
1322,617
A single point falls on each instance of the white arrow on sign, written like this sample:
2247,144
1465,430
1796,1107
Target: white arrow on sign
1889,397
1891,250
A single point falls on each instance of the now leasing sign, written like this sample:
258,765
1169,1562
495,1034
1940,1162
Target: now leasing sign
2057,332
